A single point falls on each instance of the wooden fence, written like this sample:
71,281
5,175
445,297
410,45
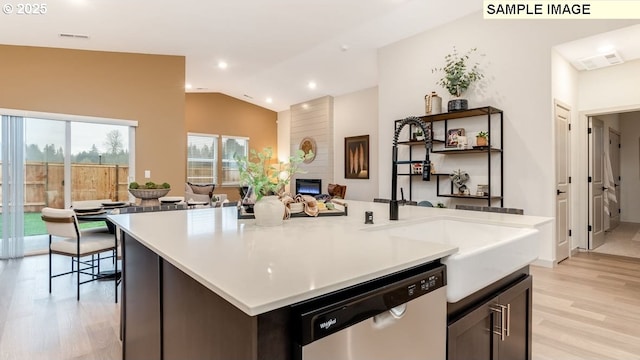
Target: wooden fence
44,184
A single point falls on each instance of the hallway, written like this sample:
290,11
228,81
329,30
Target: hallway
624,240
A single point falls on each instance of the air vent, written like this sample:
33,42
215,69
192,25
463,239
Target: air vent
600,61
73,36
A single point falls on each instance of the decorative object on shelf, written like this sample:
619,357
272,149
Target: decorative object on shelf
482,138
356,157
452,137
417,135
441,205
149,193
308,145
417,168
459,178
432,104
462,142
458,77
267,180
482,190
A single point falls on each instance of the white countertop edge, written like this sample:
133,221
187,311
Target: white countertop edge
257,309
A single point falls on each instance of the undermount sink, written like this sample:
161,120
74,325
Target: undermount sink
486,252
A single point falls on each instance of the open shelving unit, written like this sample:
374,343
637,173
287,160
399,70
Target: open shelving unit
492,153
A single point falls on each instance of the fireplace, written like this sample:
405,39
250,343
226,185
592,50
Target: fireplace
309,186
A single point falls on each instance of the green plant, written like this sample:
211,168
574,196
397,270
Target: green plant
265,178
457,76
440,205
483,134
150,185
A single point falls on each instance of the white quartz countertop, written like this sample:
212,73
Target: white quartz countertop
259,269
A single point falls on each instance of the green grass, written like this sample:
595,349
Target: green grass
33,224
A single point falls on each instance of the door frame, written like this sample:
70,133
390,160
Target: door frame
579,146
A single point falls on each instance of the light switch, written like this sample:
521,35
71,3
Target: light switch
147,174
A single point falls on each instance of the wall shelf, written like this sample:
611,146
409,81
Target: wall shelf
491,153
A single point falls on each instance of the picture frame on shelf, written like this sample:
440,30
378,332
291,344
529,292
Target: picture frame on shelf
482,190
452,137
356,157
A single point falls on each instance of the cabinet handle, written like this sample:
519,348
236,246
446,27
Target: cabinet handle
508,330
502,310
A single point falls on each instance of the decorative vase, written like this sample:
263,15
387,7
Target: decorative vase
268,211
457,105
432,104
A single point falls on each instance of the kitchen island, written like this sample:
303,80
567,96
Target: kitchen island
185,271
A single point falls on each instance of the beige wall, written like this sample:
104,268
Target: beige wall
216,113
145,88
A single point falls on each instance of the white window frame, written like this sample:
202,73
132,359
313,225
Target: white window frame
214,162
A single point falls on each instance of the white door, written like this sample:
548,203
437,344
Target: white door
596,183
563,116
614,153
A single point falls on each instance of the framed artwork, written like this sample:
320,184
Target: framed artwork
452,137
356,157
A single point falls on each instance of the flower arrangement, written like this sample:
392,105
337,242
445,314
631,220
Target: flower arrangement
265,178
457,75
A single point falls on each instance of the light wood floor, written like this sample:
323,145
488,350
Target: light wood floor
37,325
586,308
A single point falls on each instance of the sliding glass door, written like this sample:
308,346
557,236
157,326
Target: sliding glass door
54,163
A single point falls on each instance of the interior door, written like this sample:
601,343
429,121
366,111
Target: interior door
614,153
562,115
596,183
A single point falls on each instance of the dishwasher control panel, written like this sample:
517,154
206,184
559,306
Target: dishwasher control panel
328,314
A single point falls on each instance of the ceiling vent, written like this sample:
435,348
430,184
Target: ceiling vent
600,61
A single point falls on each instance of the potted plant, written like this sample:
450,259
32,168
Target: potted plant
149,193
418,135
482,138
458,76
267,181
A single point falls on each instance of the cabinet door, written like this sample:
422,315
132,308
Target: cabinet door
471,337
517,345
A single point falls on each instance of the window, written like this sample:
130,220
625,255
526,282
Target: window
232,147
202,158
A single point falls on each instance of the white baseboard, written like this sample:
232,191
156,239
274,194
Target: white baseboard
544,263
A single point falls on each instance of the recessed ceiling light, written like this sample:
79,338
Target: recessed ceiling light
344,47
269,100
222,65
188,86
312,85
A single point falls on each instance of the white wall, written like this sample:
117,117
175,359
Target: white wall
518,80
630,167
357,114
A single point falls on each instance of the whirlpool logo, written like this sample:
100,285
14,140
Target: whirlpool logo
327,324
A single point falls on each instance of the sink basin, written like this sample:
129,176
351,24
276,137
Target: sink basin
486,252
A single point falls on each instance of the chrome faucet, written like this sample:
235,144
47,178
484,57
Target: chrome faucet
426,164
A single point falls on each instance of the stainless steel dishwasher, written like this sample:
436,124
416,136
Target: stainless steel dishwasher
401,316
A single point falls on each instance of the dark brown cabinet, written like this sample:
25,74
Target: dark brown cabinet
497,328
